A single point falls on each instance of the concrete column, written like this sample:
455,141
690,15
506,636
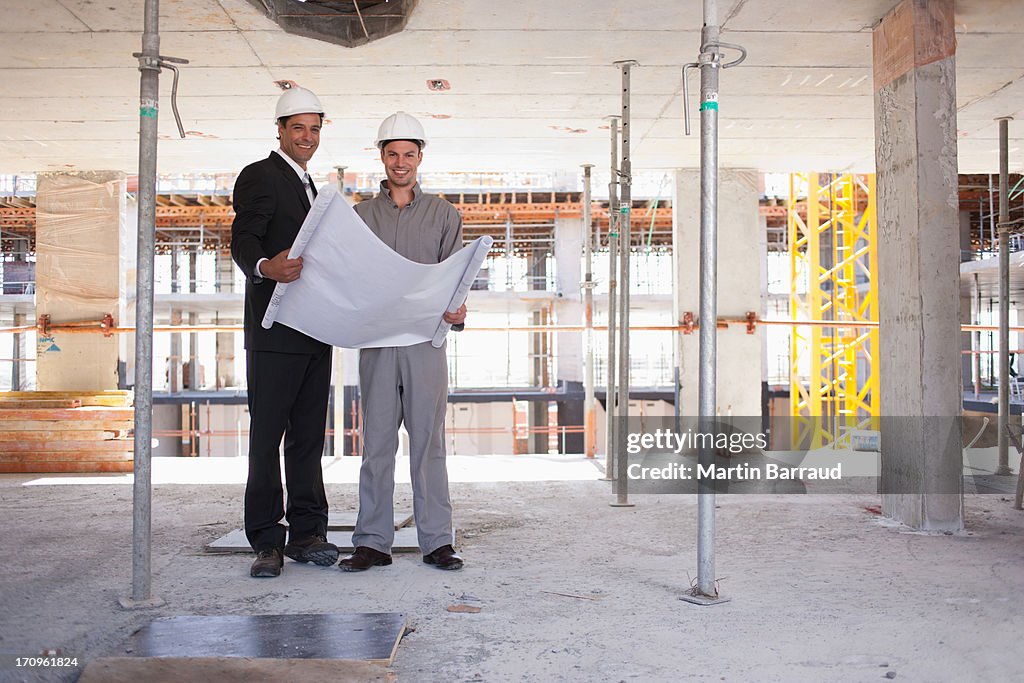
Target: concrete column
346,398
19,374
174,367
919,310
194,374
174,361
225,341
85,269
966,359
539,352
19,278
345,386
194,381
569,311
762,246
740,263
1016,341
335,445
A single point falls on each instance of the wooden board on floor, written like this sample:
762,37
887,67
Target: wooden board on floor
44,433
121,426
41,403
231,670
101,448
113,398
235,542
371,637
82,466
66,415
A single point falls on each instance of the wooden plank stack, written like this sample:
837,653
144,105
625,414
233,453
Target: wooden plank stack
66,431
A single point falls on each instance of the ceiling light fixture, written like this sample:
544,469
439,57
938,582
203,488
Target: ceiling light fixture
343,22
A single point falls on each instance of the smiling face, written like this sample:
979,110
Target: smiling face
401,159
300,136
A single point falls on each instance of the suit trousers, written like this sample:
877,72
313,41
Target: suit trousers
403,384
288,396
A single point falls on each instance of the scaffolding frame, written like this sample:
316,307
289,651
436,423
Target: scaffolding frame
832,226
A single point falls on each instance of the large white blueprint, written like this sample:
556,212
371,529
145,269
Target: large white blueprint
357,292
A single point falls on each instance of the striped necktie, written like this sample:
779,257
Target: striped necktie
307,183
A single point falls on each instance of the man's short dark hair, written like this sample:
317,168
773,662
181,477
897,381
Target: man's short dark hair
283,121
418,143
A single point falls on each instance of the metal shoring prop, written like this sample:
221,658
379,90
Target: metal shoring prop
709,61
150,63
625,202
589,413
977,321
1018,498
1004,295
613,281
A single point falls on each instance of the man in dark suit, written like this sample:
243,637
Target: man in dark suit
288,373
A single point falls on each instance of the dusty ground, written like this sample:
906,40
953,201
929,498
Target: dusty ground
569,588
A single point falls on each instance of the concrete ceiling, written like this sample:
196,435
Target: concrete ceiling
530,84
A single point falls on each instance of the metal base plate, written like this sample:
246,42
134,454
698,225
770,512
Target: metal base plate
703,599
622,505
127,602
368,637
346,521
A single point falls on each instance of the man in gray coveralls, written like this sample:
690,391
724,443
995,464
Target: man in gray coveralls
406,383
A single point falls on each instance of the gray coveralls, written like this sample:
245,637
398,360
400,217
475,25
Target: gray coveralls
406,383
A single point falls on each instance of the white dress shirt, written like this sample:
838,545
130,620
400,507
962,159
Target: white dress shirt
307,183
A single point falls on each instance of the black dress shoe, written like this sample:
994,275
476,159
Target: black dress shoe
444,558
313,549
364,558
268,564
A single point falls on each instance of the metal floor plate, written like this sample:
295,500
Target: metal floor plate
372,637
346,521
236,542
231,670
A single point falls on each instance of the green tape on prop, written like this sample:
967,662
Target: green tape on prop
148,112
613,234
709,105
624,210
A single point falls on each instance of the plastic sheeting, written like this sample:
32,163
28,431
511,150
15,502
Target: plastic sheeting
357,292
85,269
82,255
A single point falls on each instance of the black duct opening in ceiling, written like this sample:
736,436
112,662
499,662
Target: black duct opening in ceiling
342,22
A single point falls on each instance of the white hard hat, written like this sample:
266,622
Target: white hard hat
400,126
298,101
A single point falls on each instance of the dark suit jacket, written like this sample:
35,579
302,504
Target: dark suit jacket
270,205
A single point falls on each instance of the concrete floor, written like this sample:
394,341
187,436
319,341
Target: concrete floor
569,588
